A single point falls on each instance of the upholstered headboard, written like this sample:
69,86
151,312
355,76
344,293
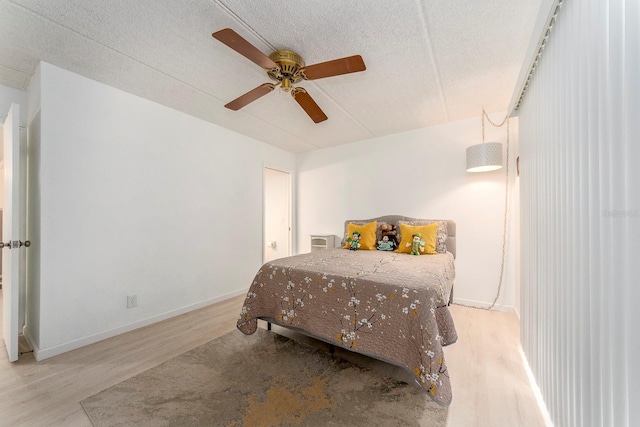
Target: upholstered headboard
393,219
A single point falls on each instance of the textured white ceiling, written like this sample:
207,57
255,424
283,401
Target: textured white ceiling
428,62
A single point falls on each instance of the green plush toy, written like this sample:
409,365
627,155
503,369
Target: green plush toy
417,245
354,242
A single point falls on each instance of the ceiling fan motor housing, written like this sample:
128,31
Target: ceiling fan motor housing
289,66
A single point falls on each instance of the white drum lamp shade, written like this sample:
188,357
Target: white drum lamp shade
484,157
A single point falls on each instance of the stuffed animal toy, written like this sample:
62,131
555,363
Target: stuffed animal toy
354,242
389,230
417,245
386,244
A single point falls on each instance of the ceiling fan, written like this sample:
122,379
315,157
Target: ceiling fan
286,68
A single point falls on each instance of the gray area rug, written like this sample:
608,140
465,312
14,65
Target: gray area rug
265,379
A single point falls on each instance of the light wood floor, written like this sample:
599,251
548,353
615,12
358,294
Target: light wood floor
489,382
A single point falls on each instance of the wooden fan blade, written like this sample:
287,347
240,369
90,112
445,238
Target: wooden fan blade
350,64
243,47
308,105
250,96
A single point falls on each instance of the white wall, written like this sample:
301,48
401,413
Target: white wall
115,176
34,128
9,96
420,174
1,173
580,145
136,198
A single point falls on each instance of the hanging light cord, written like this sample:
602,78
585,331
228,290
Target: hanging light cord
506,215
506,208
505,120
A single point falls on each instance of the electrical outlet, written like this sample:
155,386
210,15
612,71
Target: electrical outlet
132,301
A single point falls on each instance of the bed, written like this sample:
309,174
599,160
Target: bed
387,305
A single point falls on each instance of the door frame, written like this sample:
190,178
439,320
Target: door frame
291,214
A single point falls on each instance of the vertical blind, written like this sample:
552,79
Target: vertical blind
580,215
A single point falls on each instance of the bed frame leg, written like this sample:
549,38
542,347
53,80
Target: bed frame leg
268,326
332,349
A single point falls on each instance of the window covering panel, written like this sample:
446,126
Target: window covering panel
580,215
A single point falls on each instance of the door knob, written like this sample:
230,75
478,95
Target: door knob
17,244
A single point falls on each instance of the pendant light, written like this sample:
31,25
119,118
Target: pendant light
487,156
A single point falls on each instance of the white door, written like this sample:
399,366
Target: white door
277,214
10,225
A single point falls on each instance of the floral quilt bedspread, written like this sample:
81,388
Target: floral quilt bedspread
383,304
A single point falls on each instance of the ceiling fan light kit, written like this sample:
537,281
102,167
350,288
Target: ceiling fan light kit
286,68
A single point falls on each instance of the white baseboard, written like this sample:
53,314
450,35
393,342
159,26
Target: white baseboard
480,304
41,354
